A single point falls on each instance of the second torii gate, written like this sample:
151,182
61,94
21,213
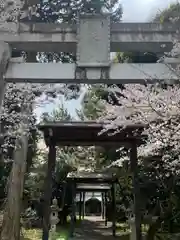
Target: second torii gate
86,134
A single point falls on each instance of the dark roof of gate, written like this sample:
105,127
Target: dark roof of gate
74,133
95,177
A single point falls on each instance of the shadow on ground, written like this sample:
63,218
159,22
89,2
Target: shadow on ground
96,230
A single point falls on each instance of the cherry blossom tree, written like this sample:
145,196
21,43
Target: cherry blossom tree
17,113
158,107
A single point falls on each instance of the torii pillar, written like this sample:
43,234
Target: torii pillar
93,48
48,184
5,54
136,191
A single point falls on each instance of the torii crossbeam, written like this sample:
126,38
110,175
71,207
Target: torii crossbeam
93,38
53,37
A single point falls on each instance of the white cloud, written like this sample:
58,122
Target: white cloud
142,10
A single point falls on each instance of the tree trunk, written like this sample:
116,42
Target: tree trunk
11,219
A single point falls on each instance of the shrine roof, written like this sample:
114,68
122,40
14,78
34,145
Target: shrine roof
92,177
75,133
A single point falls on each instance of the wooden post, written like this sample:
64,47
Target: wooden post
136,191
48,190
113,210
84,205
80,206
102,205
105,208
73,210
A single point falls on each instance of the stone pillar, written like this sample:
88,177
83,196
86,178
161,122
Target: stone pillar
136,191
89,61
5,54
48,190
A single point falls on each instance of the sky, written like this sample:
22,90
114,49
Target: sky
143,10
133,11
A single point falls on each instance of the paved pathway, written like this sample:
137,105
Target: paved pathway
93,228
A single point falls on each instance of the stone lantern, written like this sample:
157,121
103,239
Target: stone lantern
54,215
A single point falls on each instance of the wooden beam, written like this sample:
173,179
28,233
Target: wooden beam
93,187
120,73
40,37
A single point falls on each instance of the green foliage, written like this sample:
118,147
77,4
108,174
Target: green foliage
65,158
172,12
36,234
92,106
57,114
136,57
68,10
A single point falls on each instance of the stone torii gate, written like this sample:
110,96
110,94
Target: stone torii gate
93,38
